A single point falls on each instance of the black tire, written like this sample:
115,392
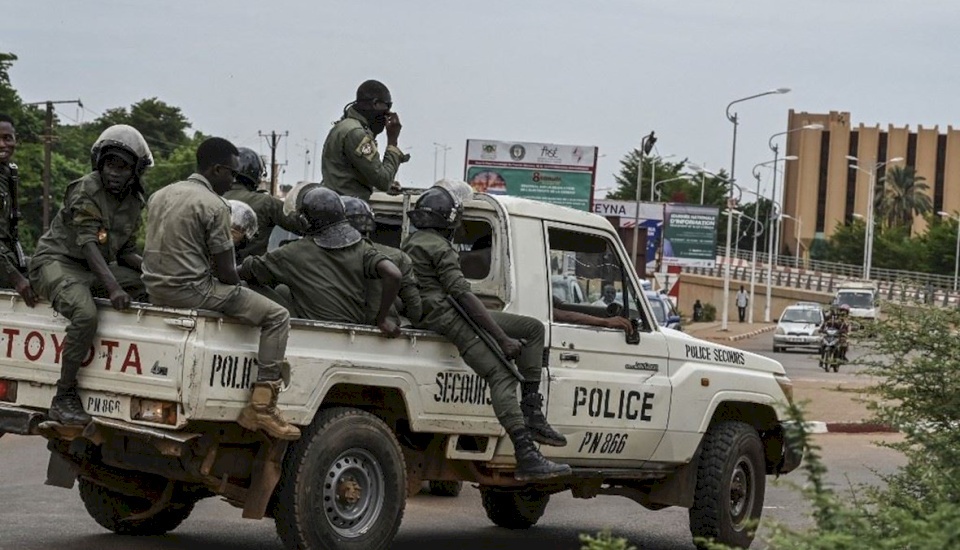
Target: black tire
512,508
731,483
109,508
446,488
343,450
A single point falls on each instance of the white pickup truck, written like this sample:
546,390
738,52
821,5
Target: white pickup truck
660,418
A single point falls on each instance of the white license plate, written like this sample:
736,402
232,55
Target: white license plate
105,404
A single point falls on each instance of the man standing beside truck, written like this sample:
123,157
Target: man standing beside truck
189,262
74,259
436,216
351,163
13,265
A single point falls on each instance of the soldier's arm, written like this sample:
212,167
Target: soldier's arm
87,221
223,263
14,278
261,270
409,291
128,255
377,266
361,150
288,222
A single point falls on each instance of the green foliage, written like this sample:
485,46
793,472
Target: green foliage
901,194
709,313
604,541
819,249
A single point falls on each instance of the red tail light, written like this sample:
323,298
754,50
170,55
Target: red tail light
8,390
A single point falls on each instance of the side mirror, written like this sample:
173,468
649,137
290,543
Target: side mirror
673,319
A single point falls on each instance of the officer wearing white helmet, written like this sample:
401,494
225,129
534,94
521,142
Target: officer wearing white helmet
91,250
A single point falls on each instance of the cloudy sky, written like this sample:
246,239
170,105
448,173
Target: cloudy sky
601,73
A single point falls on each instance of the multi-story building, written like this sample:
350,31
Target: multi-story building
822,191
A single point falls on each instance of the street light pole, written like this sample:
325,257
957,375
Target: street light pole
753,255
868,246
799,230
774,239
733,118
956,254
659,183
646,144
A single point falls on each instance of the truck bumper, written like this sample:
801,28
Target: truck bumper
18,420
792,453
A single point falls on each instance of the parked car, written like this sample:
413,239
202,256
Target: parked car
567,289
664,310
799,327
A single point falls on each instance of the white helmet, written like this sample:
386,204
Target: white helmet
125,141
243,218
460,189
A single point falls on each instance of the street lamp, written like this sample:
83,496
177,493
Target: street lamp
774,236
798,231
753,255
678,178
956,255
868,246
732,117
646,145
437,147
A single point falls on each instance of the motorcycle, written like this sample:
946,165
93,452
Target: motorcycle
830,357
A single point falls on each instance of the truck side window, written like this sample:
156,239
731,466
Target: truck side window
474,241
587,276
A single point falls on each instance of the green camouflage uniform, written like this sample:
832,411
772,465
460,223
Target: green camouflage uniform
269,211
59,271
8,255
325,284
437,267
350,162
409,293
187,224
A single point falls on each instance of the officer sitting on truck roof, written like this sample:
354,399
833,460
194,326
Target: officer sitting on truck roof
91,249
437,215
327,270
361,218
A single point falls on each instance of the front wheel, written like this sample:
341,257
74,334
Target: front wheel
343,484
514,508
731,483
111,509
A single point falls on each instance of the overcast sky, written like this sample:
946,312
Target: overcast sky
601,73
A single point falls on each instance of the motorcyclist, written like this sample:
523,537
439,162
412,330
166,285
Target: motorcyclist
838,320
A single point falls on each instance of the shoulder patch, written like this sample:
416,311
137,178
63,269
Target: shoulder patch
367,148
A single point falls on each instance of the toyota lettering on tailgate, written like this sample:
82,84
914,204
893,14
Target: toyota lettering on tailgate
40,347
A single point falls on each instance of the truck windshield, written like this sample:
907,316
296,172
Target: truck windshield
855,299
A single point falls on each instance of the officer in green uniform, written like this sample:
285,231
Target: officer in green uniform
13,265
436,216
74,259
328,270
351,163
361,218
188,262
269,209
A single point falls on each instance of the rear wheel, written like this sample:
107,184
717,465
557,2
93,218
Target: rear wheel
110,509
514,508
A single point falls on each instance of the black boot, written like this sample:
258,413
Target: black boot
530,463
67,408
532,406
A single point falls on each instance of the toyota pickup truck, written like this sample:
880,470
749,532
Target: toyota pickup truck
655,416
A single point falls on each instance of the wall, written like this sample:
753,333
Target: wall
709,290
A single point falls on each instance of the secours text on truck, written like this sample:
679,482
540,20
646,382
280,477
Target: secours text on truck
658,417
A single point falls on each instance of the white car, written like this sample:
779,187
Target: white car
799,327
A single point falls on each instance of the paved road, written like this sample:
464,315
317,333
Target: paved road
801,363
34,516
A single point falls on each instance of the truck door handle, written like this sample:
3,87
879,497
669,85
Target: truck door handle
574,357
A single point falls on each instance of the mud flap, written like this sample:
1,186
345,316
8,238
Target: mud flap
60,472
266,474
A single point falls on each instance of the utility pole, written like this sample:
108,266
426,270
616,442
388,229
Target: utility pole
48,139
273,138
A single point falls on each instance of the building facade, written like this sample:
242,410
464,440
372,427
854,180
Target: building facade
822,192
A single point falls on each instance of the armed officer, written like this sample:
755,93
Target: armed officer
74,259
269,209
361,218
13,265
437,215
328,270
351,163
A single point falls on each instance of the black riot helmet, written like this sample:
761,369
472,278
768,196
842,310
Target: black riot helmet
436,208
359,214
322,217
252,169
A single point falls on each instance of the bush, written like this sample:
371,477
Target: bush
604,541
709,313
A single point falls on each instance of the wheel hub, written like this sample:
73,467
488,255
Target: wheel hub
349,491
353,492
741,492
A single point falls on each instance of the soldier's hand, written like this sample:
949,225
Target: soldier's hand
393,127
389,329
26,292
395,188
120,299
511,348
620,323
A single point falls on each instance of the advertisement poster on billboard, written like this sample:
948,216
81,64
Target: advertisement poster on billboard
557,174
650,220
690,235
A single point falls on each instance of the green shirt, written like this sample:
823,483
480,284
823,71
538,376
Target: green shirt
269,211
326,284
350,162
90,214
187,224
8,256
409,293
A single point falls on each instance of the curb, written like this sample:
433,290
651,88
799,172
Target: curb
848,427
737,337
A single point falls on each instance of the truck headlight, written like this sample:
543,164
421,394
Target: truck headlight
158,412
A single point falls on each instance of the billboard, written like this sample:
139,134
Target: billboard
690,235
558,174
650,221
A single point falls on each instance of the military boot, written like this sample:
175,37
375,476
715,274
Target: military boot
67,408
262,414
531,464
532,406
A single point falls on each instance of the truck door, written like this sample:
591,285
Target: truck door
609,394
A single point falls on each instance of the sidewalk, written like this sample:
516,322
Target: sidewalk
735,331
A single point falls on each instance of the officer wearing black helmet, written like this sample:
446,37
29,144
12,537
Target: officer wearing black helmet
91,249
436,216
328,270
269,209
350,163
361,218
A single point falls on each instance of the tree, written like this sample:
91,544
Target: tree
847,242
162,125
903,194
